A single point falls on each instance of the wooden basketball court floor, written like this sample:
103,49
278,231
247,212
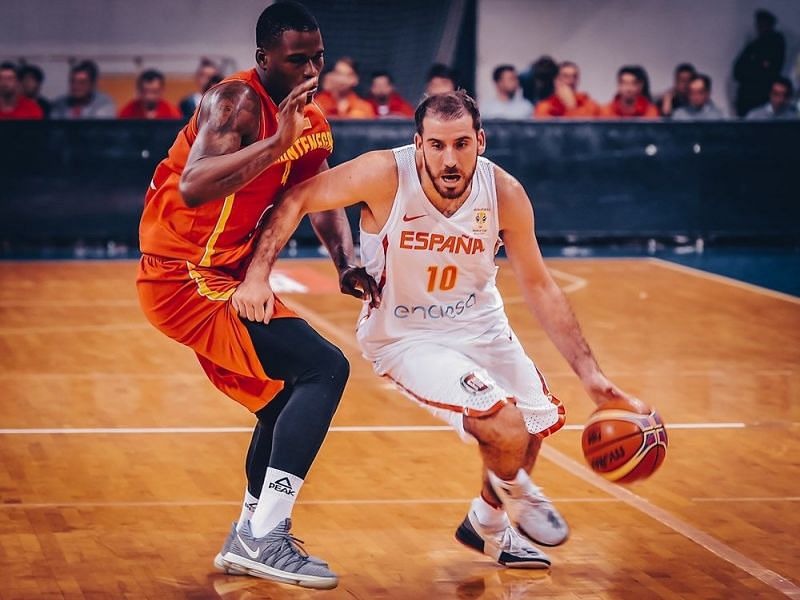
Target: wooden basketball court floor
121,467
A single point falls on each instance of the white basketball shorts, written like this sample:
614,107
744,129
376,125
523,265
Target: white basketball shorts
476,379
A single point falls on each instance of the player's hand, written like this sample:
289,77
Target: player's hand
601,389
254,300
355,281
290,113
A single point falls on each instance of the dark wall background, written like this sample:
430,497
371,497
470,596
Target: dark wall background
67,181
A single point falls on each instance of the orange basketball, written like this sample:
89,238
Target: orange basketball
624,441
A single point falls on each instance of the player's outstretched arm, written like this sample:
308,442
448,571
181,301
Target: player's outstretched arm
542,295
370,178
226,156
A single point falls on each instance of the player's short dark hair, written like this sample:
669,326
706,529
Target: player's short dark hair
9,66
150,75
685,68
33,71
376,74
785,82
86,66
499,70
704,78
448,107
280,17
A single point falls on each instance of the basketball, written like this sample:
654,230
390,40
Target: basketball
624,441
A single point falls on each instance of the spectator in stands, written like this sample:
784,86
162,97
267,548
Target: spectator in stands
780,105
13,103
83,100
385,100
149,103
630,102
678,95
758,64
440,80
507,102
339,98
31,77
539,82
700,107
206,73
567,101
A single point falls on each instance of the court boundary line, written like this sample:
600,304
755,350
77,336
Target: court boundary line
334,429
744,285
703,539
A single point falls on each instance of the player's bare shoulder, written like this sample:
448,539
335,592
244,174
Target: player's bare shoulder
231,106
377,175
513,204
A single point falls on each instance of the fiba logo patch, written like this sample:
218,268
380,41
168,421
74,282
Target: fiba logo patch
282,485
472,383
480,220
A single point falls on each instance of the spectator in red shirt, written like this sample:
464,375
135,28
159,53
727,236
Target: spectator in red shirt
31,78
567,101
385,100
13,104
338,98
630,101
149,104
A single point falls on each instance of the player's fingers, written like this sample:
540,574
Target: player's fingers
258,312
374,292
269,308
304,88
250,312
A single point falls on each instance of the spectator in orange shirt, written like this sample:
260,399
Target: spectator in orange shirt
385,100
567,101
13,104
630,101
338,99
150,104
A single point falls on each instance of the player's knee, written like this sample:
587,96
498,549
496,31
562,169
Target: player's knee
502,429
334,366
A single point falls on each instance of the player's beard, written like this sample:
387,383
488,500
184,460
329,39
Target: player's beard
438,183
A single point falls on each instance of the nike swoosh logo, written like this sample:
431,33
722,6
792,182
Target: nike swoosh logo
152,185
406,218
252,554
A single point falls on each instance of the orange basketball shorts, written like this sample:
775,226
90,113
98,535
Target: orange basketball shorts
191,305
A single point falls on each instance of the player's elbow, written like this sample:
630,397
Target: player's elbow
189,192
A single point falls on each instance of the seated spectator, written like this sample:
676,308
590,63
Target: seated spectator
338,99
83,100
149,103
13,103
206,72
567,101
440,80
630,102
539,82
31,77
507,102
677,96
779,106
385,100
700,107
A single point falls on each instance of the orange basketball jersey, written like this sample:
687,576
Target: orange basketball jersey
219,233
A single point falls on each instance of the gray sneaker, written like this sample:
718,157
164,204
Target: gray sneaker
219,561
532,513
277,556
505,545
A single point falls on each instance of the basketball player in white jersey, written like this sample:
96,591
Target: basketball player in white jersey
433,216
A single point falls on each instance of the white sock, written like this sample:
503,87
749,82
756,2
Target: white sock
276,502
490,517
521,482
248,508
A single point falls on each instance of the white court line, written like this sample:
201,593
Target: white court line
339,502
771,578
575,283
749,499
336,429
723,279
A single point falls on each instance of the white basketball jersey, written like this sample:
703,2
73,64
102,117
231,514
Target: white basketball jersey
437,273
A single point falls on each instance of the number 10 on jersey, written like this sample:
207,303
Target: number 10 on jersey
447,280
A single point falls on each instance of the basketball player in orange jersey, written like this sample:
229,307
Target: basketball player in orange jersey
433,216
252,136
